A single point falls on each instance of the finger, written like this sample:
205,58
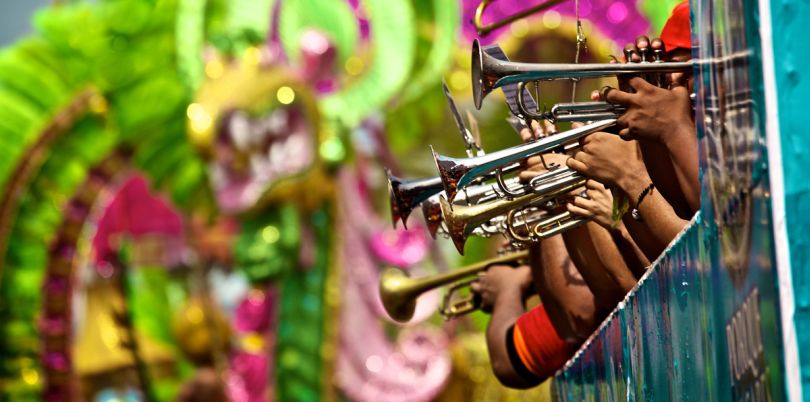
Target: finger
618,96
658,49
643,46
526,134
584,203
578,211
631,53
595,95
613,59
549,127
526,176
577,164
475,287
594,185
537,129
625,134
640,84
533,161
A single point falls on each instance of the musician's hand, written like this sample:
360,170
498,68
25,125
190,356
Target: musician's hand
608,159
652,112
537,130
535,167
598,205
501,281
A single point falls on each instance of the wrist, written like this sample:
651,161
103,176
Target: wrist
634,183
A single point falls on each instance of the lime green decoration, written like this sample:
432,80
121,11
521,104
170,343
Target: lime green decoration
658,11
334,18
392,56
268,246
440,37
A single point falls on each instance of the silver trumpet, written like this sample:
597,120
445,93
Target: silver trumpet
489,73
462,220
405,195
457,173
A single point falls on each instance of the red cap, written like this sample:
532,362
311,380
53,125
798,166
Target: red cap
677,33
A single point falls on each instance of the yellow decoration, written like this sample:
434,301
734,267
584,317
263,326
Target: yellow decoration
354,65
285,95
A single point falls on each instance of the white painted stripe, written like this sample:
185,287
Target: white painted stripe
786,300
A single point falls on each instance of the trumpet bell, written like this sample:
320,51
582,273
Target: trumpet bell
396,295
432,211
405,195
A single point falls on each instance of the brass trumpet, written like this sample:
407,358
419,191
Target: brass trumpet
399,292
405,195
483,30
432,211
541,226
457,173
489,73
462,220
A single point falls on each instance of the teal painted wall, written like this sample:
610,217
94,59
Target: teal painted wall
790,23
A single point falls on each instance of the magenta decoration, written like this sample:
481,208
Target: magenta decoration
248,378
399,247
369,367
253,312
619,20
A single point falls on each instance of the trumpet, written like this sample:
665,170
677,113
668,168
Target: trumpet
432,211
483,30
489,73
457,173
398,292
462,220
405,195
541,226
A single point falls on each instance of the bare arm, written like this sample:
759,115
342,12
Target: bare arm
502,290
681,142
659,223
570,304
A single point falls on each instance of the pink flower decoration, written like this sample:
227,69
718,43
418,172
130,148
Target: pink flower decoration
399,247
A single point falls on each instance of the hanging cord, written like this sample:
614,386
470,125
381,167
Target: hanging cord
582,43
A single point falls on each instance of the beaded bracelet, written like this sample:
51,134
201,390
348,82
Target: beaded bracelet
635,212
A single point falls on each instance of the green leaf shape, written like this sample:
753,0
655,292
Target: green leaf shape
392,53
333,18
444,32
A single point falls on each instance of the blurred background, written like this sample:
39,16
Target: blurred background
194,204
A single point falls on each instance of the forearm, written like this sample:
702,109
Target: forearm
658,220
682,146
569,302
598,261
508,307
632,254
